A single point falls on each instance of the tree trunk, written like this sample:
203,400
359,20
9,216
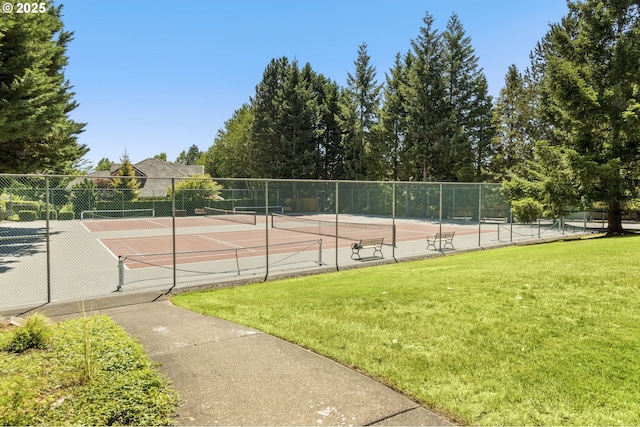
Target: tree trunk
614,218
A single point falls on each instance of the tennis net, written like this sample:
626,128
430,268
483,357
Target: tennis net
344,230
117,213
260,209
244,217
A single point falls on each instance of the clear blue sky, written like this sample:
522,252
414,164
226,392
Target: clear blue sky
156,76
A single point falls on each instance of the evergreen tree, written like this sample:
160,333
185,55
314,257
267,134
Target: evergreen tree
189,157
104,164
360,105
431,122
285,122
328,136
126,185
393,117
588,97
162,156
467,94
36,133
511,144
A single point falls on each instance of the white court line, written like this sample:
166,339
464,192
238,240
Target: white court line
160,224
223,242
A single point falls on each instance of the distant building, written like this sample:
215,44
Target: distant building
154,175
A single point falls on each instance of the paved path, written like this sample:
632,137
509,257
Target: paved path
227,374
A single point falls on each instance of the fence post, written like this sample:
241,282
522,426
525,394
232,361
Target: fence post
393,218
337,199
479,214
48,237
173,231
266,220
440,221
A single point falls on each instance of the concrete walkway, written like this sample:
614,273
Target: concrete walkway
227,374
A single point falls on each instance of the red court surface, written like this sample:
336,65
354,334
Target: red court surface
223,245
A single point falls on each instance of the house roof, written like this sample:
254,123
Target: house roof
155,175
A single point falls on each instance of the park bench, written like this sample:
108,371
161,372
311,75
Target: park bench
446,237
374,243
180,212
199,211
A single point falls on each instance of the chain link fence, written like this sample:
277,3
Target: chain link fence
78,237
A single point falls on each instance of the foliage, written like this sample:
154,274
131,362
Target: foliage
27,215
359,114
36,133
125,185
587,98
104,164
196,189
50,388
231,153
189,157
35,332
526,210
531,335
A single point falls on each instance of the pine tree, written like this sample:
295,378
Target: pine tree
126,185
36,133
467,94
431,124
393,117
588,99
360,104
511,116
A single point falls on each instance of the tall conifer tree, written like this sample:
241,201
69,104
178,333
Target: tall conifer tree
36,133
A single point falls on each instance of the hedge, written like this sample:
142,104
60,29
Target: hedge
27,215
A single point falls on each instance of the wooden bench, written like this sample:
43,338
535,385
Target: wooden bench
446,236
180,212
375,244
199,211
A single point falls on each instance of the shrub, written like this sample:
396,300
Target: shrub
52,214
34,333
526,210
66,215
27,215
24,205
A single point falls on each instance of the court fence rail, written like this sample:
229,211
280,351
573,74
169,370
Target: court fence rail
78,237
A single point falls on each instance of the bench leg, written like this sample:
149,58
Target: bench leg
431,243
355,251
376,250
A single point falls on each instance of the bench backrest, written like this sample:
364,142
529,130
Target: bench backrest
374,241
445,235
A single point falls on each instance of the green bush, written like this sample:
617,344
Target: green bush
52,214
66,215
526,210
27,215
25,205
34,333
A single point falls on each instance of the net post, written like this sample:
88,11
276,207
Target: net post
320,252
120,273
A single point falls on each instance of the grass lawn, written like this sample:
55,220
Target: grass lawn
535,335
80,372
